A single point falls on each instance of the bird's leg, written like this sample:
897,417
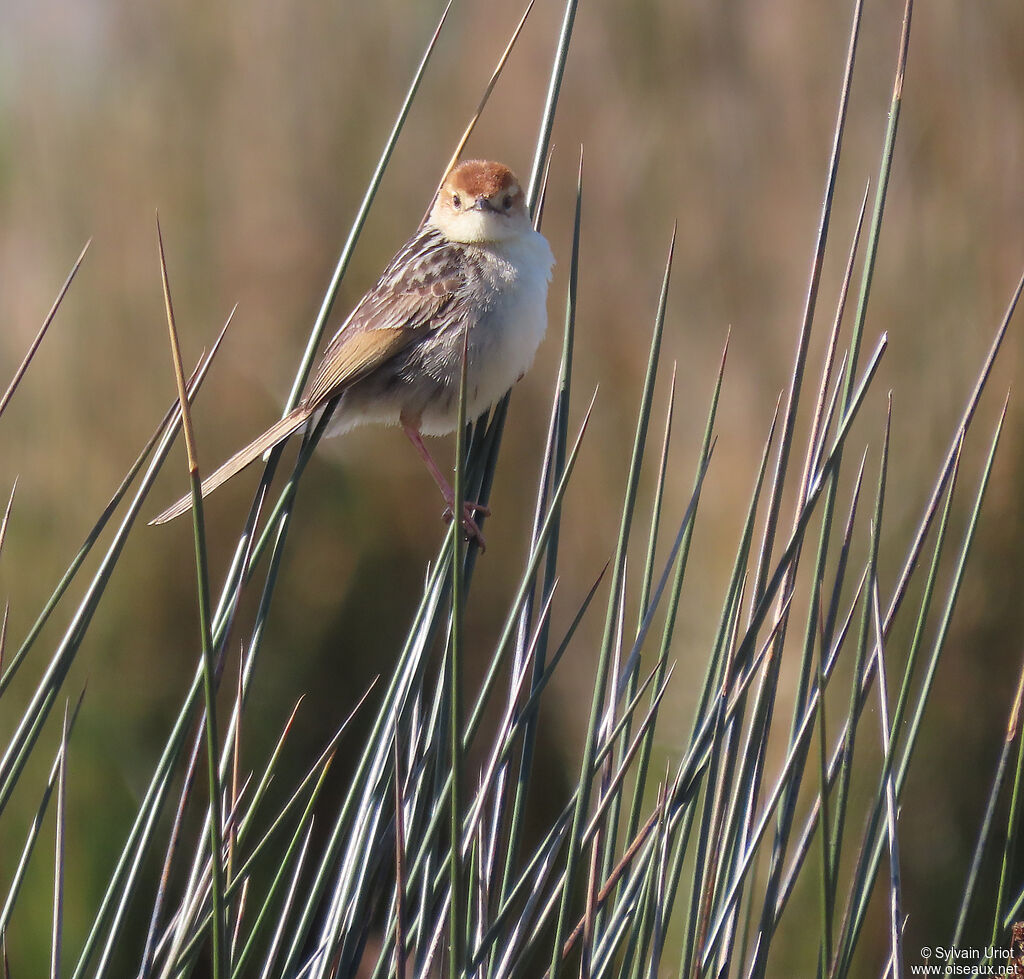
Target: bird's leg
469,510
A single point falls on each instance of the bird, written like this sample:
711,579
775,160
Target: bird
475,272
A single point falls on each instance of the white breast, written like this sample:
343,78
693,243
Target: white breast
506,339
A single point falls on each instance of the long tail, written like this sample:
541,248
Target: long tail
277,432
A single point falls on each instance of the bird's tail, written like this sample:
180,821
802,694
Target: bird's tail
277,432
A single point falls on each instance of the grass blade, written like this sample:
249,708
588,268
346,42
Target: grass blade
600,685
60,847
220,950
34,346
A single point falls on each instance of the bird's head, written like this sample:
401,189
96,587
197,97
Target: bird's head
480,202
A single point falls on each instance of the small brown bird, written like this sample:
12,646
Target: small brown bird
475,265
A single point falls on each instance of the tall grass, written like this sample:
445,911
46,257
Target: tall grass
425,867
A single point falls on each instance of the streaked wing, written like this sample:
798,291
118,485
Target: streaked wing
411,298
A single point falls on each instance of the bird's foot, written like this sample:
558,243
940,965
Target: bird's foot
469,524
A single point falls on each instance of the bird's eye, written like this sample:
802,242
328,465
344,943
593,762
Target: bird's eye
507,202
456,201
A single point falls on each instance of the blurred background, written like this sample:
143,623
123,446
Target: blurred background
254,128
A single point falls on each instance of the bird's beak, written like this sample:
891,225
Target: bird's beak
484,204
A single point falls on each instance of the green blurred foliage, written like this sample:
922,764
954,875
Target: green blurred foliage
253,127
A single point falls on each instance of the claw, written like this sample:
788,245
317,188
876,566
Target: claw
469,524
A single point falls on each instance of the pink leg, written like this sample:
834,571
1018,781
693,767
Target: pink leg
468,509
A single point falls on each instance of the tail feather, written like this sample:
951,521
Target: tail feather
277,432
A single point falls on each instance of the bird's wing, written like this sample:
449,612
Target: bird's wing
414,295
